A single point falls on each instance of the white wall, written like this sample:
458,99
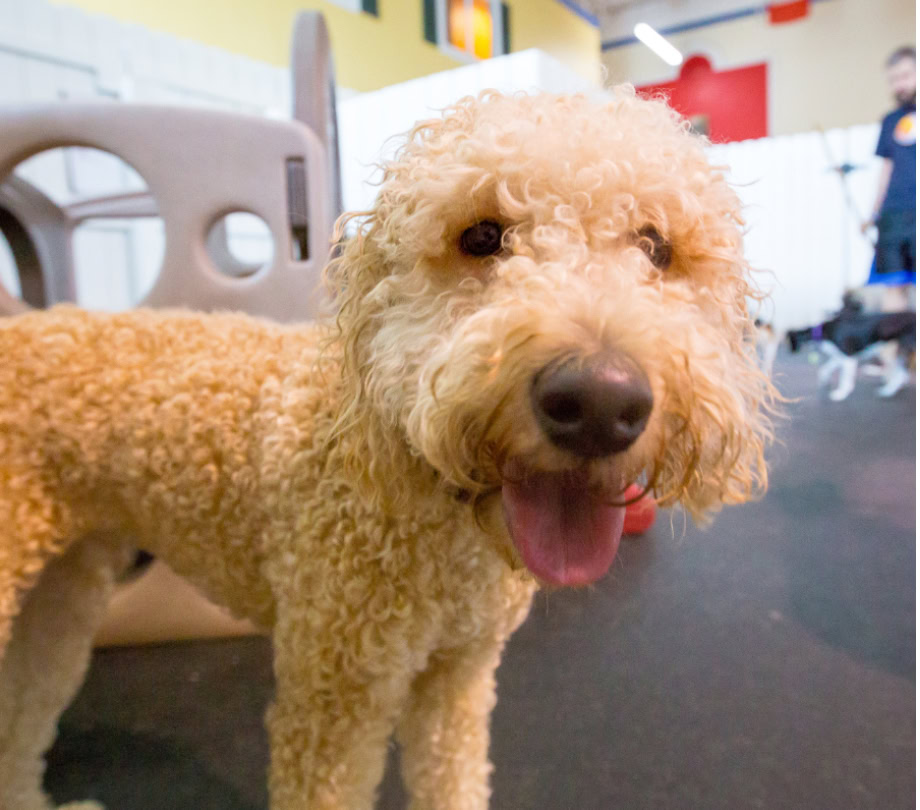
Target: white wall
394,110
49,51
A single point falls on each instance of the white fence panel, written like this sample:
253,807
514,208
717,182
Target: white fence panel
801,230
370,123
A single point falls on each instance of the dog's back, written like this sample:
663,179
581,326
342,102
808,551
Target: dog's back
899,326
853,332
146,425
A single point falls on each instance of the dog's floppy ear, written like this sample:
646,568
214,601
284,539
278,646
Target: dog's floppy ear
720,414
373,455
798,338
721,448
852,304
352,273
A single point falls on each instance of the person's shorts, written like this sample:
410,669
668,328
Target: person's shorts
896,249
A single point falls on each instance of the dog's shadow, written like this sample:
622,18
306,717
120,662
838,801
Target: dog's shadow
153,773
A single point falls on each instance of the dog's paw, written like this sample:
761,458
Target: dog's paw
81,806
896,382
840,394
825,373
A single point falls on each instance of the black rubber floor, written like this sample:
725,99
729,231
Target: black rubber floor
765,662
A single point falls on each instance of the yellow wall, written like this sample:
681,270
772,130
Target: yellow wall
826,70
370,52
550,26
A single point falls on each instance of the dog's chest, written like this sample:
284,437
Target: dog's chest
429,577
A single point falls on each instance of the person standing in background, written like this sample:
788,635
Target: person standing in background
895,211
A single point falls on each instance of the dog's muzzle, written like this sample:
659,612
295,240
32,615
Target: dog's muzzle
592,407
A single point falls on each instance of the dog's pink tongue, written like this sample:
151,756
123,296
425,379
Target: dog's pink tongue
564,534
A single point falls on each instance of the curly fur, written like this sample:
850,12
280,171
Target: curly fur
439,347
310,477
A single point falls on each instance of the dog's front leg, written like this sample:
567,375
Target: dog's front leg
826,370
445,731
46,661
835,359
329,724
848,368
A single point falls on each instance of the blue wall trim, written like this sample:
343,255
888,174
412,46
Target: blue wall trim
690,26
571,5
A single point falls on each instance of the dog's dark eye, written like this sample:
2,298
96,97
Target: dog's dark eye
655,246
482,239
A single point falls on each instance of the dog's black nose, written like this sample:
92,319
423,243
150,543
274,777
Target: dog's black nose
594,407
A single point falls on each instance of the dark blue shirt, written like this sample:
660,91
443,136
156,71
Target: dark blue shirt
898,143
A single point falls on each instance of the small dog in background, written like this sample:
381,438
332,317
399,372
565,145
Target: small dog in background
852,337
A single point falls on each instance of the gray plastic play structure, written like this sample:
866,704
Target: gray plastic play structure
198,165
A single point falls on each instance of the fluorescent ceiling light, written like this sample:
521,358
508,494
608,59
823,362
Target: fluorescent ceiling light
650,37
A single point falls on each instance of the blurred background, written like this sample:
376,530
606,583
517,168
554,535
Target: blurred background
787,92
766,662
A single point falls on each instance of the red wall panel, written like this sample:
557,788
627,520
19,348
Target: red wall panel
779,13
729,105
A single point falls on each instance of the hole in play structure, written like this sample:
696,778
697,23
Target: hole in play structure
240,244
79,224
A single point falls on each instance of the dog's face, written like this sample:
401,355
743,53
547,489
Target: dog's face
547,303
798,338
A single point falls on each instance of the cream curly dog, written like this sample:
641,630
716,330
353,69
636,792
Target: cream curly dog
547,302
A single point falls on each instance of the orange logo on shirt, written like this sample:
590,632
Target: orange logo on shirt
905,131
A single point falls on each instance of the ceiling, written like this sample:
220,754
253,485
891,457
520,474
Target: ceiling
607,11
617,17
600,8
